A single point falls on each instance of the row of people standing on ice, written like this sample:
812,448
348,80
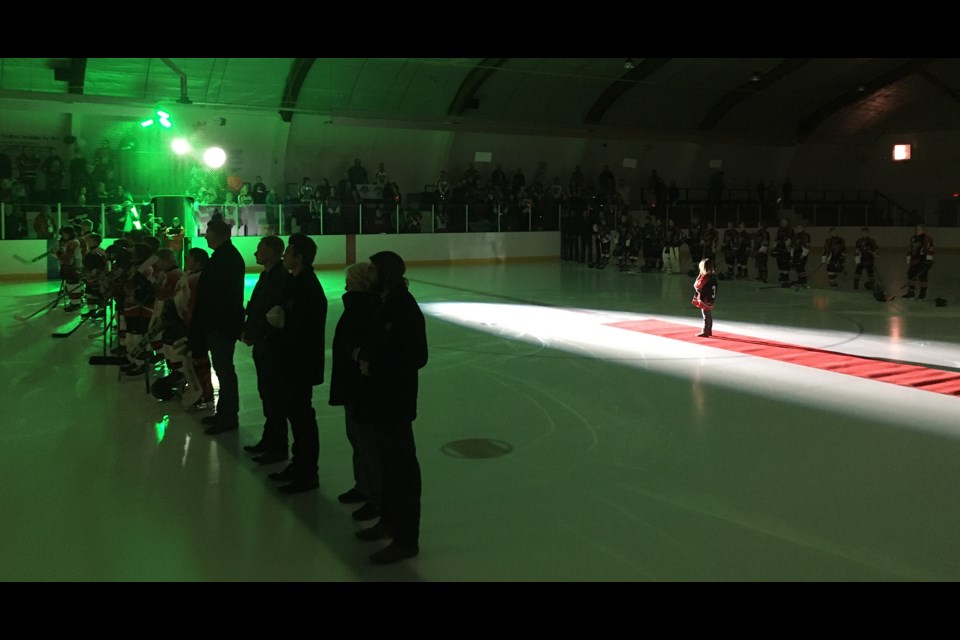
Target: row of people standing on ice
789,246
188,318
378,348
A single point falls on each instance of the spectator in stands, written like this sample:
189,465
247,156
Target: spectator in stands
259,191
577,180
658,188
381,176
244,213
606,182
357,174
52,168
272,209
498,179
471,176
624,191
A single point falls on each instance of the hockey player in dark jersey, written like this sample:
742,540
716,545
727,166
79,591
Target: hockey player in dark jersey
709,241
801,251
919,262
783,251
834,256
866,253
729,244
672,241
760,248
695,240
70,256
743,252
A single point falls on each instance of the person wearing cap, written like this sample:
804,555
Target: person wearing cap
391,354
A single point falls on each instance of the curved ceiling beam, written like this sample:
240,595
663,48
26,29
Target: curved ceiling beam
749,88
620,86
828,109
472,83
291,91
940,84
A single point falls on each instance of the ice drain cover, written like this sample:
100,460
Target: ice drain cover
477,448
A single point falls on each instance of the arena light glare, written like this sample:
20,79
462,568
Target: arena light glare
901,152
214,157
180,146
162,117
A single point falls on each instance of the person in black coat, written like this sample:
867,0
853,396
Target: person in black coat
301,318
218,322
390,357
348,389
264,338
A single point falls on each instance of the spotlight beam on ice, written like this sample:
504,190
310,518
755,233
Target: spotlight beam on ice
587,333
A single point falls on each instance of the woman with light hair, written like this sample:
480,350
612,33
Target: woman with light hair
347,388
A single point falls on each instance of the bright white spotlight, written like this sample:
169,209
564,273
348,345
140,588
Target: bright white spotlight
214,157
180,146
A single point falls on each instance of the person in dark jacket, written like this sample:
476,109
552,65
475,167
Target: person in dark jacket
347,389
218,322
390,356
301,318
263,337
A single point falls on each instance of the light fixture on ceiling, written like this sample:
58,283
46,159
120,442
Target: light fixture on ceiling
861,88
755,77
628,64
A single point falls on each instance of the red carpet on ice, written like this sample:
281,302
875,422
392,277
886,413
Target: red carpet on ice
907,375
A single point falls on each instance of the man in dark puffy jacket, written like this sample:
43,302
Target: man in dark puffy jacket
390,357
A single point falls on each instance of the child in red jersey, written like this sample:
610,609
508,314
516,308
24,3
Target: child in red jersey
706,288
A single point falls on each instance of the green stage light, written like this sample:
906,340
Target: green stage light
146,123
214,157
180,146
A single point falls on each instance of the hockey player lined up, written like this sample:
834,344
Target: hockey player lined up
708,239
865,257
783,251
729,246
743,251
760,248
95,276
601,241
630,247
650,245
138,304
196,366
672,241
801,251
695,239
919,262
834,256
69,257
167,274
